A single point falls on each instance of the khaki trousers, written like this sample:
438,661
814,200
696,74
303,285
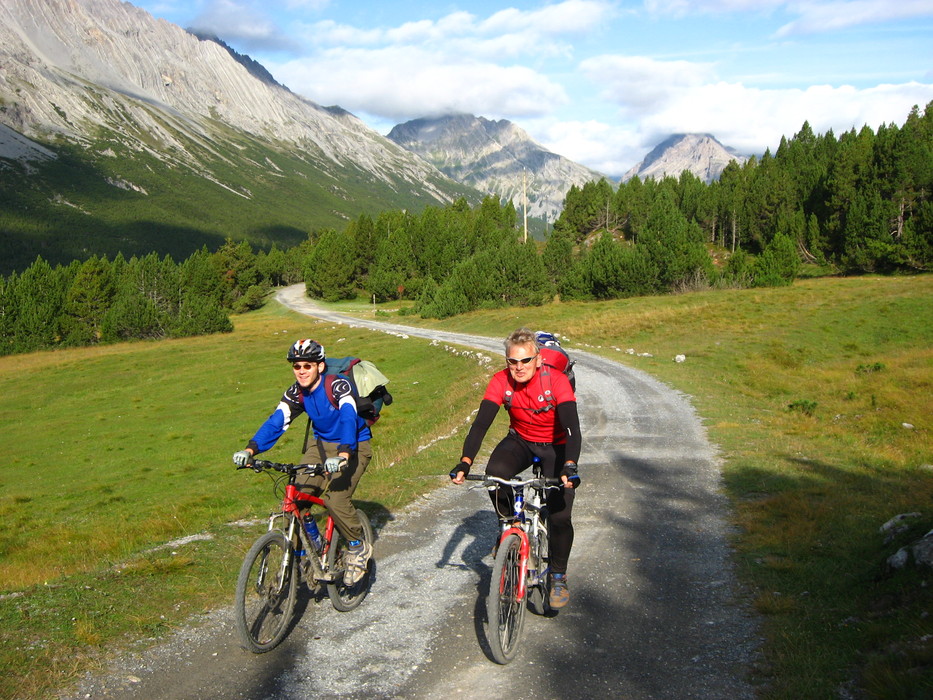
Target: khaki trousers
337,489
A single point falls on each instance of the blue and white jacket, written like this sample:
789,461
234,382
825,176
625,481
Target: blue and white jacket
339,424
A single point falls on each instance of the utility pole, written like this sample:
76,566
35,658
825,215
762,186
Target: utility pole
524,207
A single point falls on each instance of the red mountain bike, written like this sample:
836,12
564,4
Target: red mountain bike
267,587
520,571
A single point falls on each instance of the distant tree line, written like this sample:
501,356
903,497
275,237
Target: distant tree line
102,301
859,203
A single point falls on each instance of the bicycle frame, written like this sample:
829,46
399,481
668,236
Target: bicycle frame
284,555
525,519
519,528
292,503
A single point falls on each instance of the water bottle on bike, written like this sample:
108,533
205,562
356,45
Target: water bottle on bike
313,533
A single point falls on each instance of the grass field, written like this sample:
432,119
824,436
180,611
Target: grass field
113,452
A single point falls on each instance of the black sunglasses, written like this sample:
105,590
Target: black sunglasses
524,360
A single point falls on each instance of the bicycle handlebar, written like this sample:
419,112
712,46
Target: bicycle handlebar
538,481
258,465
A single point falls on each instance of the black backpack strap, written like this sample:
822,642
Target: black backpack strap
551,402
304,447
548,392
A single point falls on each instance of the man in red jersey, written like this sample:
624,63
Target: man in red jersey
543,421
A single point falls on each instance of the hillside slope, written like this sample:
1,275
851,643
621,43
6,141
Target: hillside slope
152,124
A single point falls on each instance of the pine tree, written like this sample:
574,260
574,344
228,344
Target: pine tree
38,297
557,255
778,264
7,313
89,296
393,267
330,273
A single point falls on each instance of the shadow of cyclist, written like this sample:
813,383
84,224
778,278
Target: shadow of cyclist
481,527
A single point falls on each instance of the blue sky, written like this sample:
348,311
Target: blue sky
598,81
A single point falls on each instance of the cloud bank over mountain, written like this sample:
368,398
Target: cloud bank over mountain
597,81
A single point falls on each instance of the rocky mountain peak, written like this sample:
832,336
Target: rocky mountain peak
74,68
495,157
701,154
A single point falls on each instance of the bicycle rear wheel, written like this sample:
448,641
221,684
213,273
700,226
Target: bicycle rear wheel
266,591
505,611
345,598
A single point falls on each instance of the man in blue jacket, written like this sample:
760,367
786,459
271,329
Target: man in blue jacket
342,445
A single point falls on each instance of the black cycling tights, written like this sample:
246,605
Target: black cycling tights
512,456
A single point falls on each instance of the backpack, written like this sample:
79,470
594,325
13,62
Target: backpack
367,385
553,358
553,355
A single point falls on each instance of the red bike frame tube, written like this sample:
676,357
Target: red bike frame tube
294,497
292,503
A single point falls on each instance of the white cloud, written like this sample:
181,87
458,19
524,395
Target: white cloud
406,82
828,16
813,16
751,119
638,84
608,148
570,17
239,23
456,63
313,5
506,34
681,8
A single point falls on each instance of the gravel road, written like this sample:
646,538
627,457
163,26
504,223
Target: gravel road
655,610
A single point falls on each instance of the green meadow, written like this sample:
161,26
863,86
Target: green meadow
817,395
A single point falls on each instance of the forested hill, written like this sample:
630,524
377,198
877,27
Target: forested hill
123,133
858,202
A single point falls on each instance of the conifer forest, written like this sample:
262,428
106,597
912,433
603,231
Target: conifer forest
857,203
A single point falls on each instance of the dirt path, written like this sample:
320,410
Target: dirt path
655,612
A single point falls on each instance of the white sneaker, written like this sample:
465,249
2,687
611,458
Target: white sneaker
356,560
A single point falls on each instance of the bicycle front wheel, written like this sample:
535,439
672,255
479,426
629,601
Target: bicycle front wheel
343,597
265,593
505,610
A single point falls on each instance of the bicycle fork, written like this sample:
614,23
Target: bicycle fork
308,561
524,548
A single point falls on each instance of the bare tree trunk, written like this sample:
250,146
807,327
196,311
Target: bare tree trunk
734,232
902,205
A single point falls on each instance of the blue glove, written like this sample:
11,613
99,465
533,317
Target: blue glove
243,458
334,464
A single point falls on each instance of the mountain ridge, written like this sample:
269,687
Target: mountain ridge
98,92
495,157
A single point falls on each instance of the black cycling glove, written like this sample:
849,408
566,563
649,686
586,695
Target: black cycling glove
461,467
570,471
